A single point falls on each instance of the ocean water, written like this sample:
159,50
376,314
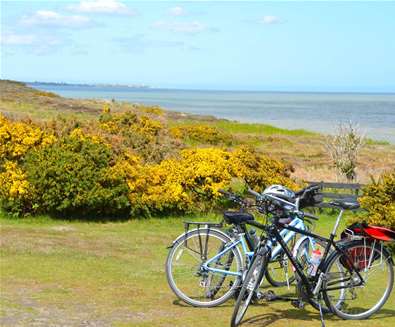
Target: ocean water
321,112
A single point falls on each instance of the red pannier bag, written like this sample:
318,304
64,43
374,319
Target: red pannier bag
360,256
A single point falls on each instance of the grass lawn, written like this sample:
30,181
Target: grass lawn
61,273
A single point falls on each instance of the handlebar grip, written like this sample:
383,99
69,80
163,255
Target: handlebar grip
309,188
309,215
252,192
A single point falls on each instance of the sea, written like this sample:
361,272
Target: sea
374,113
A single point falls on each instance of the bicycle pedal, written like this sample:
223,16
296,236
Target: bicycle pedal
299,304
268,296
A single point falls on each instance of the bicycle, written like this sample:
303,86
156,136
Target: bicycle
212,268
341,274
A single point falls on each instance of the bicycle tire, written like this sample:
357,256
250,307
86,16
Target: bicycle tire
349,248
251,283
187,298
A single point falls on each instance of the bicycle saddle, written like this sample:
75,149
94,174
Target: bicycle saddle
237,217
345,204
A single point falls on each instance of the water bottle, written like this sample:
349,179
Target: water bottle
315,262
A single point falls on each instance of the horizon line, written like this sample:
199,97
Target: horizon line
144,86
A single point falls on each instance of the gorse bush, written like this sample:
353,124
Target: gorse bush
379,200
74,176
16,138
145,135
16,194
192,181
125,163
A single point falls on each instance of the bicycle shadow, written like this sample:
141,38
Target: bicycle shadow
180,303
267,319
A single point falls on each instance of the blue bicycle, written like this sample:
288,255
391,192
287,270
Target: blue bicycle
206,265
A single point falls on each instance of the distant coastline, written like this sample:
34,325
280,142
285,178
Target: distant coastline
130,86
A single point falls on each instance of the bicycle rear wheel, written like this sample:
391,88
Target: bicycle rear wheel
250,286
374,264
197,286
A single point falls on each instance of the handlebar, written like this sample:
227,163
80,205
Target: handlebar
256,194
237,199
233,197
309,188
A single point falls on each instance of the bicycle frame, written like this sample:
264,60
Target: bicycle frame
274,234
285,234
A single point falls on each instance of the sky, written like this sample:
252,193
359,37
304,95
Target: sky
249,45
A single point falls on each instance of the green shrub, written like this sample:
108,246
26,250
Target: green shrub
379,200
72,176
202,134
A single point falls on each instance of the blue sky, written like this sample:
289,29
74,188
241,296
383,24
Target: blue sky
300,46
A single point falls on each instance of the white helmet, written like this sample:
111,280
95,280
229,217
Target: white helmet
280,191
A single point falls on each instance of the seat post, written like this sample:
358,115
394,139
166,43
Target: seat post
337,222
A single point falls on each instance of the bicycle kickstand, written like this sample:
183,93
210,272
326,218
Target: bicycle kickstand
321,316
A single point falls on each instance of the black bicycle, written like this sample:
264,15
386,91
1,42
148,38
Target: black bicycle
354,276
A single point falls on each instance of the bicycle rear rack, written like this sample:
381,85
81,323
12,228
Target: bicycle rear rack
366,257
199,226
351,235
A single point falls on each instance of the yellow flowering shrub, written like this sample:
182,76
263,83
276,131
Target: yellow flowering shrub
192,181
79,134
16,192
379,199
126,163
159,188
16,138
146,136
259,170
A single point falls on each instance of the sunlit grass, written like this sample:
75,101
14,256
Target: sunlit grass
57,272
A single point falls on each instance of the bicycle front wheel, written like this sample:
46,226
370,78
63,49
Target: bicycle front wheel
361,296
250,286
279,271
188,278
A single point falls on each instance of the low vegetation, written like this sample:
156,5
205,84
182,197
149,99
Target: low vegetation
379,200
94,158
56,272
121,164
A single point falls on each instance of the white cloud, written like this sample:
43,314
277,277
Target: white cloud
102,6
37,44
17,39
269,20
181,27
53,19
177,11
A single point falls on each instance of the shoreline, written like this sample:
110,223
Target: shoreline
186,103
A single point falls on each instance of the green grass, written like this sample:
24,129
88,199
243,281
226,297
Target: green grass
369,141
56,272
245,128
236,127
